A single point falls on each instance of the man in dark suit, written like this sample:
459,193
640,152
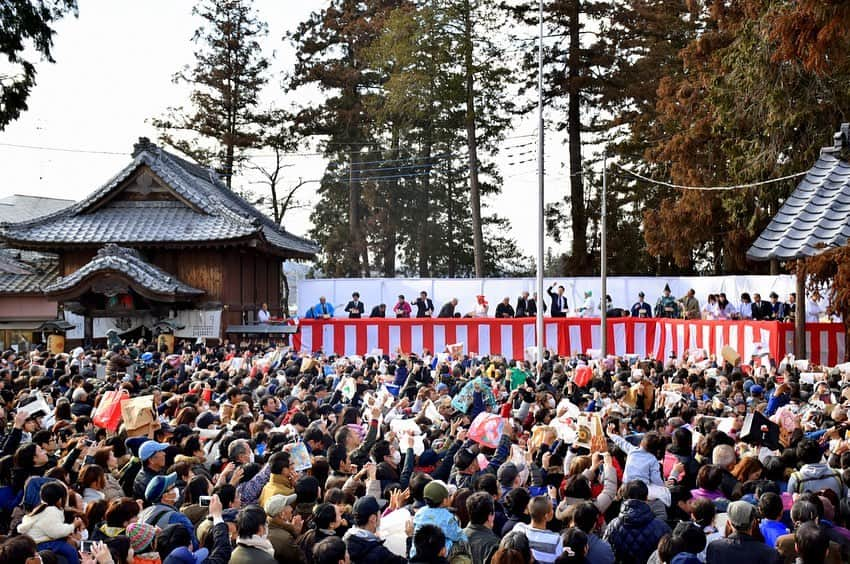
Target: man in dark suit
379,311
355,307
424,305
777,308
504,309
448,309
559,302
522,305
761,310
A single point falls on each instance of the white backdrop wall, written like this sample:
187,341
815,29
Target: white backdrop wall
622,289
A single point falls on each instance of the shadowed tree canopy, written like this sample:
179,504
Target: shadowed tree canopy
831,269
228,74
25,24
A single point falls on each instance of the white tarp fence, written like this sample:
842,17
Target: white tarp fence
622,289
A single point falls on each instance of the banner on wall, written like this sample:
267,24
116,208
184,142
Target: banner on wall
199,323
622,289
512,338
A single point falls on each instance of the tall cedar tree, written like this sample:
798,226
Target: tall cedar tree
330,48
227,77
25,25
736,116
812,33
577,59
425,101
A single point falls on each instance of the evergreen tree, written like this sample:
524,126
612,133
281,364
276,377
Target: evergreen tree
25,24
227,77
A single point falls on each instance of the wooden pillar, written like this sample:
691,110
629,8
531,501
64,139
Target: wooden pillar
800,316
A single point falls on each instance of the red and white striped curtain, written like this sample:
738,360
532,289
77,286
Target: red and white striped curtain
656,338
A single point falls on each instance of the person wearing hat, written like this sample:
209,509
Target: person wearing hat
741,545
284,528
641,308
152,457
143,542
175,544
667,306
588,308
160,497
364,545
438,499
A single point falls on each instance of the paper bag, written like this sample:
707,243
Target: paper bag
138,415
108,414
730,355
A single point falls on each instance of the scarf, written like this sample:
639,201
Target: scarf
257,542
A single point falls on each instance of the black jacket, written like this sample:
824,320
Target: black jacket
738,548
140,484
557,310
358,307
503,310
369,549
448,310
482,541
424,305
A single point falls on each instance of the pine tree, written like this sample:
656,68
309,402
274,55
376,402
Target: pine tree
227,77
25,24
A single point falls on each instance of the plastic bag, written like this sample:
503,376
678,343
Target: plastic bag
108,414
487,429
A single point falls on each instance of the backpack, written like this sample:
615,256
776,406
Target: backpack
801,480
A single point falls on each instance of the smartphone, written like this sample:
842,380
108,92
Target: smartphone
86,546
204,500
89,443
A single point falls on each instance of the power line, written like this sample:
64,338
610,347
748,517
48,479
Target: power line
708,188
62,149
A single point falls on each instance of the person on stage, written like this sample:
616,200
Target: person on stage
402,309
559,302
641,308
504,309
424,305
666,306
355,307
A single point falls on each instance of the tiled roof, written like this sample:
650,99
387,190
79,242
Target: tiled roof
23,272
213,213
129,263
20,207
816,215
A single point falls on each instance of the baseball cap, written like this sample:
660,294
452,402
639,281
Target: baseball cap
159,485
277,503
150,448
741,514
756,389
435,491
133,444
366,506
507,473
464,458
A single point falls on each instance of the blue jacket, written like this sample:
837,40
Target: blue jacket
316,312
442,518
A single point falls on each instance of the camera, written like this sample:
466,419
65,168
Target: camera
204,500
86,546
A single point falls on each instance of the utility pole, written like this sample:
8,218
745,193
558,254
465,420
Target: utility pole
541,336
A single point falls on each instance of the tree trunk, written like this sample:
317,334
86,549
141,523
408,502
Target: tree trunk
452,258
284,299
474,188
578,213
228,164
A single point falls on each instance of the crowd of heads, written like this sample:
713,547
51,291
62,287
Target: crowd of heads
127,453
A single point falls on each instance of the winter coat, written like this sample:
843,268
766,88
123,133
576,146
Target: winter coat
48,525
282,537
243,554
366,548
277,485
309,539
483,542
634,534
737,548
816,477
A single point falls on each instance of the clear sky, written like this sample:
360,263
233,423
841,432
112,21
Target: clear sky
113,72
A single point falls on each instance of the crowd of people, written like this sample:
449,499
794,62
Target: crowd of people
715,306
245,453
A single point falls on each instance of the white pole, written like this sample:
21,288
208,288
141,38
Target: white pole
603,270
541,337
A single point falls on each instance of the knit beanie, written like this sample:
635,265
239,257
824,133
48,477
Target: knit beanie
141,536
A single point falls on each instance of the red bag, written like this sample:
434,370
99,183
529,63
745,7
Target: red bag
487,429
108,414
584,375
